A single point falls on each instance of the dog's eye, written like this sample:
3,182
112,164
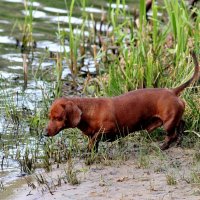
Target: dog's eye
59,119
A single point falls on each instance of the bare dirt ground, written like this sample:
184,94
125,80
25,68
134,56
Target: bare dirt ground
170,175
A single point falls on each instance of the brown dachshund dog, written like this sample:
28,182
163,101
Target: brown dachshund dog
107,119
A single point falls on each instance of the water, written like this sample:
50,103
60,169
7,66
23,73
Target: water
49,17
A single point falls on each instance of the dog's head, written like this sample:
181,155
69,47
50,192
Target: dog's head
63,114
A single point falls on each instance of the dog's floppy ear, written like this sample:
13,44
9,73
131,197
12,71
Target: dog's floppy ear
73,114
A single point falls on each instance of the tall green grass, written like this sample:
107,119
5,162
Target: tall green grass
147,54
27,40
158,52
76,41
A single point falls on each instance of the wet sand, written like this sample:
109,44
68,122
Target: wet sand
126,180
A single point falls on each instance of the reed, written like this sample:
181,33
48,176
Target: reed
171,180
27,39
71,174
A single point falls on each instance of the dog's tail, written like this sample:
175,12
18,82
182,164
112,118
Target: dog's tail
195,76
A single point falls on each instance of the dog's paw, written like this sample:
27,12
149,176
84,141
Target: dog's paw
164,146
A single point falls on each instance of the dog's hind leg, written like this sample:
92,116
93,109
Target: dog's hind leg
172,122
170,125
171,137
180,131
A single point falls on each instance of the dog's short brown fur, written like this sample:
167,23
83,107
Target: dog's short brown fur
110,118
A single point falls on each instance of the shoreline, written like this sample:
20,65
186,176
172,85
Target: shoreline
119,180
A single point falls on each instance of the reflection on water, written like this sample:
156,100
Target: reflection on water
52,46
113,5
7,39
94,10
17,57
14,1
55,10
36,14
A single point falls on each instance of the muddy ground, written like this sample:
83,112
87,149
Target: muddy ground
173,174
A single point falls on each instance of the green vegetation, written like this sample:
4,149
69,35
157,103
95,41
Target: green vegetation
127,56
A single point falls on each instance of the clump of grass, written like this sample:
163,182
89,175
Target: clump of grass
195,177
45,184
143,162
91,157
171,180
40,179
70,173
196,156
30,183
28,25
143,159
